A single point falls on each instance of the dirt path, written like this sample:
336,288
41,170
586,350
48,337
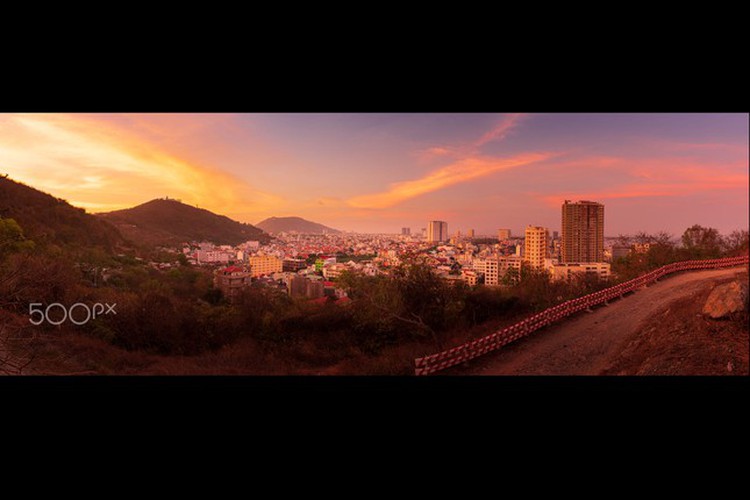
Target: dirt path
588,343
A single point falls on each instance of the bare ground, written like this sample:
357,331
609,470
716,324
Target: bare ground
655,331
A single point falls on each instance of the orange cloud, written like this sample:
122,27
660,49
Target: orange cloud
80,157
460,171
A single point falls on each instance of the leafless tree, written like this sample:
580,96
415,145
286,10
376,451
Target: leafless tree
736,242
663,238
623,240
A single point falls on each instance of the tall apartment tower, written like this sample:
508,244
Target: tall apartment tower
503,234
437,230
405,231
536,246
470,233
582,232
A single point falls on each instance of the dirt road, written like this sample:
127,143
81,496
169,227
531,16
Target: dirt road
589,343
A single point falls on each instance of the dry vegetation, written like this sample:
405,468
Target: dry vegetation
680,340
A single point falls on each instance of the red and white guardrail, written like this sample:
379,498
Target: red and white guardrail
470,350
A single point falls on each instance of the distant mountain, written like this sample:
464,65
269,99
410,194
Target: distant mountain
275,225
170,222
49,220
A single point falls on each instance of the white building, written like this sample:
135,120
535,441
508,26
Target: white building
472,278
213,256
333,271
568,270
496,268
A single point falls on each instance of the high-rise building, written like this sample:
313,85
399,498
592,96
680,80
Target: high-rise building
555,235
470,233
405,231
536,246
582,232
437,230
503,234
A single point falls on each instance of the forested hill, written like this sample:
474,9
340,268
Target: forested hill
49,220
170,222
277,225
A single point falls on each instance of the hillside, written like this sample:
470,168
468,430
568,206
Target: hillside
659,330
680,340
170,222
275,225
49,220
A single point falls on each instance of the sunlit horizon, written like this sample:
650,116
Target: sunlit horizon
376,173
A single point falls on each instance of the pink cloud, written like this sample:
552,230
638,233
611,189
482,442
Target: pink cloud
497,133
667,176
691,185
500,130
681,146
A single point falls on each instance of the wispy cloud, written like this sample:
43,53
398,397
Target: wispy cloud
460,171
497,133
500,130
467,165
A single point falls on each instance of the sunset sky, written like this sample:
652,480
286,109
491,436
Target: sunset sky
381,172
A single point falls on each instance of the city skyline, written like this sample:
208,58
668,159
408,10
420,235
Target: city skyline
380,172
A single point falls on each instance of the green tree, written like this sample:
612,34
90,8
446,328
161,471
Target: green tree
483,303
12,238
263,310
700,242
661,251
183,260
411,301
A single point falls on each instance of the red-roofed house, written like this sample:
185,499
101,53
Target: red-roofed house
231,280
